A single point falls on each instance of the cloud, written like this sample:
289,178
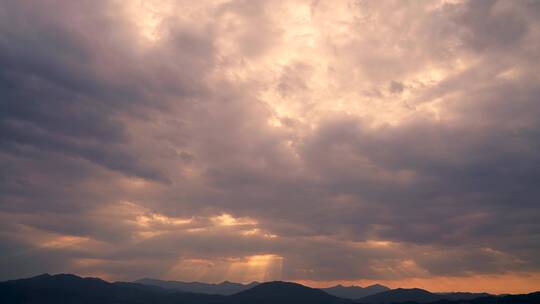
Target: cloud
319,142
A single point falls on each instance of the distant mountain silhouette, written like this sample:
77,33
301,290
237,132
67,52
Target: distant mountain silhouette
531,298
402,295
226,288
71,289
416,295
354,292
68,289
229,288
454,296
283,293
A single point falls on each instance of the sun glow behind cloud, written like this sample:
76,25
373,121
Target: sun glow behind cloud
261,268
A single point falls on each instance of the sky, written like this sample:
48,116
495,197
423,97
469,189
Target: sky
322,142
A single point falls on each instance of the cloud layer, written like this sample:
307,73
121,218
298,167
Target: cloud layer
318,141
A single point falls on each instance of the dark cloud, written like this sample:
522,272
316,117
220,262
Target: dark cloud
366,140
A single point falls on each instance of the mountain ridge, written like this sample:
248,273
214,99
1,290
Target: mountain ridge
401,295
353,291
230,288
284,292
72,289
223,288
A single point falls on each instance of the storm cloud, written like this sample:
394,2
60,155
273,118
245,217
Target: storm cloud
314,141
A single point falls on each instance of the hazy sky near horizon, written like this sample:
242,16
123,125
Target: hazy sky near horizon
314,141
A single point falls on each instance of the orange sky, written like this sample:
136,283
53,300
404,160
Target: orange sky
514,283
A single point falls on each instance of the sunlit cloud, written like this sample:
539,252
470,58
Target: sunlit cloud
226,219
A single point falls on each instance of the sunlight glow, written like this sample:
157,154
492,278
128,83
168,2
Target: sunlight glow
226,219
263,267
64,241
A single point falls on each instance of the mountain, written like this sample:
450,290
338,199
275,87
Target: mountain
416,295
402,295
354,292
531,298
225,288
71,289
455,296
283,293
